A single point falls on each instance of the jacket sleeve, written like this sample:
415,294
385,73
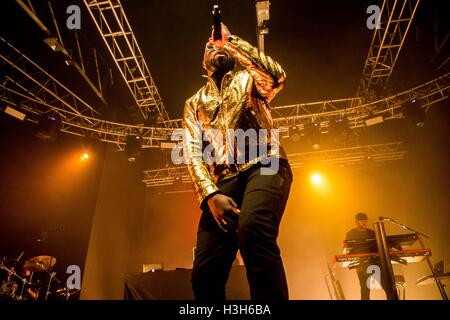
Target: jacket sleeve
204,185
268,75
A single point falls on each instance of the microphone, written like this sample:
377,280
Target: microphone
384,218
217,22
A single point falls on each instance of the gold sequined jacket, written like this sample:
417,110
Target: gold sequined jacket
241,103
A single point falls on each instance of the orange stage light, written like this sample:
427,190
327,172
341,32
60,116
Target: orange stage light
84,156
316,179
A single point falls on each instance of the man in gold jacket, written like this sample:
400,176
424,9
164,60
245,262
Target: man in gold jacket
242,189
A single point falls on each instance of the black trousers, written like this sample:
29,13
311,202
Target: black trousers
262,200
363,276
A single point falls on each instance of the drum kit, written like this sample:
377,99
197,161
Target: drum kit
32,280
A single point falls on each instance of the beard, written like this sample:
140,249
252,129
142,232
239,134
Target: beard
223,63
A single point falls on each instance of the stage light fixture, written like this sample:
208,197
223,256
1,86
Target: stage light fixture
414,112
312,134
48,127
262,13
15,113
178,180
316,179
339,125
53,43
284,132
339,130
133,147
373,120
368,161
152,267
84,156
89,147
167,144
294,133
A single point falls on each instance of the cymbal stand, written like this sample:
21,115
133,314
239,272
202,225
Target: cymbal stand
47,292
52,277
24,282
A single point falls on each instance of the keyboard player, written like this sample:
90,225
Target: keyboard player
361,233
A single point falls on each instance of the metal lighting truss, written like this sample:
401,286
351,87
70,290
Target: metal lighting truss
56,44
297,115
30,88
27,87
112,23
426,94
166,176
79,125
348,156
26,75
395,18
389,108
344,156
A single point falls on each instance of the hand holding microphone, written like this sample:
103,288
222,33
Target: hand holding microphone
217,24
220,32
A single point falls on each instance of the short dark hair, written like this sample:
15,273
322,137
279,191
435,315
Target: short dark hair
361,216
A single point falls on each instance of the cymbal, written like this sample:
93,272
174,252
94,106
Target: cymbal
39,263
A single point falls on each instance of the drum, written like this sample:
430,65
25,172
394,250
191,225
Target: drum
9,290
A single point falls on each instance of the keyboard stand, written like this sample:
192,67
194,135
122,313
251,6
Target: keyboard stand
387,274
